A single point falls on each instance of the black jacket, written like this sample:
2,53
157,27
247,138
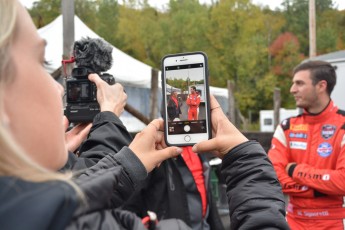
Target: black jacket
105,178
165,194
107,136
54,205
254,194
174,110
255,197
251,181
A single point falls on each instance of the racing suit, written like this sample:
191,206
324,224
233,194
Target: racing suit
316,182
193,101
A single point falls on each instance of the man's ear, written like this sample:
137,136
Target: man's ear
322,86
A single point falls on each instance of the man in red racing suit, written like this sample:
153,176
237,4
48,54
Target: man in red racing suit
193,101
308,153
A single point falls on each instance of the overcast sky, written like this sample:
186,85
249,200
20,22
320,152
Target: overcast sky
271,3
160,3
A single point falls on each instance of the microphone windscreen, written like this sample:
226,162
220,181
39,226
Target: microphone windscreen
93,53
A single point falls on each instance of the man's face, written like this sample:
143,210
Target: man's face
303,90
192,91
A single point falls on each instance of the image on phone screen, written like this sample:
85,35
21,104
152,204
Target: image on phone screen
185,97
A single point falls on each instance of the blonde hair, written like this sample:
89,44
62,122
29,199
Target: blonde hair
13,160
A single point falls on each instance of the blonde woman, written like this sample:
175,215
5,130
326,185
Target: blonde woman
32,141
32,147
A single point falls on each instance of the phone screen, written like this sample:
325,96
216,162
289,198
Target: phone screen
186,99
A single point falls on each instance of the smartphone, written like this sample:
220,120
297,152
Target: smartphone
185,92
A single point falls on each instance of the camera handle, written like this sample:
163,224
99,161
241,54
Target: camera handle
65,62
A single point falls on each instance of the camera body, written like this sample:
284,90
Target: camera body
81,95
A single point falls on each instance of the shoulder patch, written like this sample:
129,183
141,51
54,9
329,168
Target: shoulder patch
341,112
285,124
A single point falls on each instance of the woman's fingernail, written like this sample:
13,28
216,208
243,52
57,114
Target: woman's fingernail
178,150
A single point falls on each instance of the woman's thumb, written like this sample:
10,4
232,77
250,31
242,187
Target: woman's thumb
205,146
170,152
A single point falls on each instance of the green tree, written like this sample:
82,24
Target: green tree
239,34
297,18
128,33
86,10
185,27
254,47
149,35
330,31
107,17
45,11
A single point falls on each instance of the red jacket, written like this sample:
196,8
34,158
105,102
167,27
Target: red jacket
316,143
193,101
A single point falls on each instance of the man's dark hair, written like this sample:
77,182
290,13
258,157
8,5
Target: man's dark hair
319,70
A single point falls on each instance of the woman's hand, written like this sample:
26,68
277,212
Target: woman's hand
225,135
110,97
150,148
76,135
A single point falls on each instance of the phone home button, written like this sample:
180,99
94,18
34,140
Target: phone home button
187,138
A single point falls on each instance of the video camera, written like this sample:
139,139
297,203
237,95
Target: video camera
91,56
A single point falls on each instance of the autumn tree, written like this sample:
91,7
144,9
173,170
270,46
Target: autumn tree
330,31
297,19
239,35
253,46
286,55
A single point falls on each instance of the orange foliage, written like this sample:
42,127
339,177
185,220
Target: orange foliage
282,40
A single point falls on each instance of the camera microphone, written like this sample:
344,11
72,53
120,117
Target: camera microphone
91,55
94,54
